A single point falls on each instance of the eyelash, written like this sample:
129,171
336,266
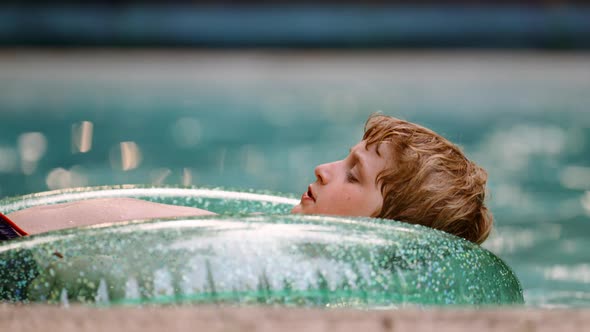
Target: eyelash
350,178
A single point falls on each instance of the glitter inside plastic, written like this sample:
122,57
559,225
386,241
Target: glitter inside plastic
240,258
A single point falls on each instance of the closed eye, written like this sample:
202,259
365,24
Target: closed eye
351,178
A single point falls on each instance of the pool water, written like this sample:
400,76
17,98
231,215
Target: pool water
264,120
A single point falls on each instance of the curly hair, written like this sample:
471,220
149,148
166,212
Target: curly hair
429,181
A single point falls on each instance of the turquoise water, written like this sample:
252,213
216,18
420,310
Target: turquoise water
254,120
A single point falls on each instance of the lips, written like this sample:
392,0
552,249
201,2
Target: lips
310,193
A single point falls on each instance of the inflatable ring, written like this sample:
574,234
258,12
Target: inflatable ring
239,258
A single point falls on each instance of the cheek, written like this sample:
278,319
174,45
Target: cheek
370,203
377,205
349,197
356,203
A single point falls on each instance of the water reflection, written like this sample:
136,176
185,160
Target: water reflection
511,239
82,136
513,149
186,132
59,178
8,159
126,156
187,176
159,175
102,293
576,273
31,147
132,289
575,177
253,160
221,160
163,283
586,202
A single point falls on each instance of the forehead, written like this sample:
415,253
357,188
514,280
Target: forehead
379,149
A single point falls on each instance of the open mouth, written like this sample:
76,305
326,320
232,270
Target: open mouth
310,193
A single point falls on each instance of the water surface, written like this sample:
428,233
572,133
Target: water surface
264,120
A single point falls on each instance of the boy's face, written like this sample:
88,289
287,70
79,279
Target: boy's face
347,187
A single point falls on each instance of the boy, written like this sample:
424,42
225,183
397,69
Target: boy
399,170
405,172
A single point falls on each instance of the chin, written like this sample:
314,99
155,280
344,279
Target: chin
296,209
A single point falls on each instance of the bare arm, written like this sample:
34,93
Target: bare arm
46,218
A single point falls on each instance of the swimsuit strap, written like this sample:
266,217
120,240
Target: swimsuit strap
9,229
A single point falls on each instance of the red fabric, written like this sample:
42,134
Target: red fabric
13,225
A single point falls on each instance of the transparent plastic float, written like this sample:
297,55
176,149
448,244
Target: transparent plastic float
239,257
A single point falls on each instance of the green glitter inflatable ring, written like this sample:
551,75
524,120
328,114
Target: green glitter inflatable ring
242,258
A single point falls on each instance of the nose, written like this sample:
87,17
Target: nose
322,173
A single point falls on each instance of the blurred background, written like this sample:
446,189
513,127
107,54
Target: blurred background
255,94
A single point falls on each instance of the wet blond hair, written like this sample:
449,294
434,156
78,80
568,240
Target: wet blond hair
429,181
